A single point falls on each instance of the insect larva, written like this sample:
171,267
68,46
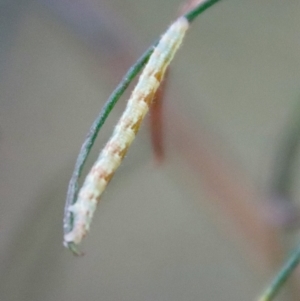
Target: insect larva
124,133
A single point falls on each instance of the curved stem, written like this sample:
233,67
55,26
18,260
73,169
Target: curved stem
97,124
93,132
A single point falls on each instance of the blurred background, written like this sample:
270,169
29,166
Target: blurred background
212,219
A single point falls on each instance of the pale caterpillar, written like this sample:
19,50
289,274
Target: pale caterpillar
124,133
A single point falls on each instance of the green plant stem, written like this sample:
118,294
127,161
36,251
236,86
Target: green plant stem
194,13
282,276
93,132
97,124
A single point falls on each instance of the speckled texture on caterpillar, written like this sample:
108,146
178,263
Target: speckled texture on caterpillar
124,133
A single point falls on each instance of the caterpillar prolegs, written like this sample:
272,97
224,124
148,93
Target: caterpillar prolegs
124,133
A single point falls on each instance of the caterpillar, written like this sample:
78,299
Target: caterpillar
124,133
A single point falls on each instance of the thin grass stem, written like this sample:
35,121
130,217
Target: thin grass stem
93,132
107,108
282,276
201,7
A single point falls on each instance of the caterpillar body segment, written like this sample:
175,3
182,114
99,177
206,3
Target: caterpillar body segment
124,133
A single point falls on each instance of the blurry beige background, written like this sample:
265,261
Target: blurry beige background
157,235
